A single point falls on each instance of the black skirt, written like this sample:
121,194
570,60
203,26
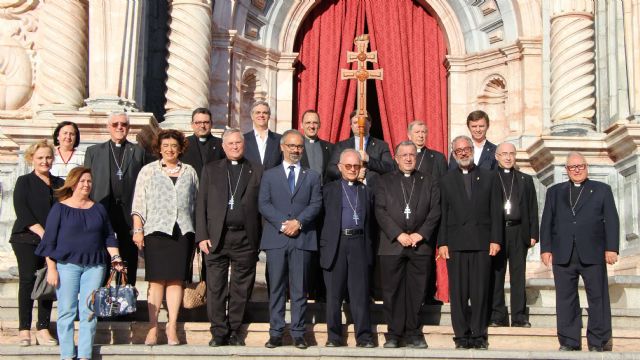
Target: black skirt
168,257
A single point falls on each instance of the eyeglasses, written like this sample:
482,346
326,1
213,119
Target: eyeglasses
463,150
355,167
202,123
118,123
505,154
294,146
576,167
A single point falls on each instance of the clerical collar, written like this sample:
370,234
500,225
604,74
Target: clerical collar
419,150
466,171
349,183
311,140
505,170
118,144
579,184
203,139
235,162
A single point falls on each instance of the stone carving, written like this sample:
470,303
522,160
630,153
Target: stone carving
493,101
63,54
189,55
632,49
572,67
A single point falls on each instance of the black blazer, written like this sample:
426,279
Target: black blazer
380,160
471,224
97,159
595,228
528,205
487,159
330,235
272,154
213,196
327,149
192,156
431,162
389,202
32,200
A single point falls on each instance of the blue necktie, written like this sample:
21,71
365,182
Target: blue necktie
292,178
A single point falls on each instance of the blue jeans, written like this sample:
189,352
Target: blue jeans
77,282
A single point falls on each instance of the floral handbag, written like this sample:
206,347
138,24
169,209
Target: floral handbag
108,301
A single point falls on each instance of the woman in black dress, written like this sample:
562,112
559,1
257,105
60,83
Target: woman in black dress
163,224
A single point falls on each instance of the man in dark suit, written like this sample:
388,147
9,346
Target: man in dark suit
262,146
407,204
228,233
115,165
470,234
520,212
290,200
317,152
483,149
346,250
376,156
579,235
203,147
435,164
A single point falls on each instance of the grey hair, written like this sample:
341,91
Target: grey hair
405,143
258,103
575,154
291,132
505,143
350,151
414,123
229,131
461,137
118,113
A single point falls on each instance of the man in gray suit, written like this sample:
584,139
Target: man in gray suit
115,165
290,199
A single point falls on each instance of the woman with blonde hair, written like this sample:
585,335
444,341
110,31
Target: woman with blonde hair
78,243
32,199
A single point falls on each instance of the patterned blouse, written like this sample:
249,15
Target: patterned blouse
61,169
161,204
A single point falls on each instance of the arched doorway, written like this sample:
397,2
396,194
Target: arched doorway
411,49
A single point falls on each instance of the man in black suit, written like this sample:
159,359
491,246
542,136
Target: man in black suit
228,233
470,234
435,164
317,152
346,250
376,156
262,146
407,204
115,165
483,149
520,211
579,235
203,147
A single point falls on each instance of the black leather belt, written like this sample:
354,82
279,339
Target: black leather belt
351,232
235,227
509,223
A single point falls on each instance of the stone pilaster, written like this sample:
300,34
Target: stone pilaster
631,10
62,51
114,37
572,67
284,97
189,60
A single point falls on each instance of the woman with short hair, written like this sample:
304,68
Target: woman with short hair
66,138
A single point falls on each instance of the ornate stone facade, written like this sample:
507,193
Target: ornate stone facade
554,75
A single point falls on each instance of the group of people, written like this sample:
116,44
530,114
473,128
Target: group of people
306,202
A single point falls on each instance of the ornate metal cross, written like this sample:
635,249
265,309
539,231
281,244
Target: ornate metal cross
361,74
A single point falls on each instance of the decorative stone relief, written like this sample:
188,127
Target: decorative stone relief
493,100
632,49
252,90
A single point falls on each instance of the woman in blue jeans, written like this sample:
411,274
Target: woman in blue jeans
78,242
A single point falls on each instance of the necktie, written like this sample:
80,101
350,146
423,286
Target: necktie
292,178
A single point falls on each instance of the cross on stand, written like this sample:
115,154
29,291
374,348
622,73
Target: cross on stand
361,74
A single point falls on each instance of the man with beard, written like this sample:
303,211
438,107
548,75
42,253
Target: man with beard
470,234
203,147
290,200
483,149
228,233
407,206
262,146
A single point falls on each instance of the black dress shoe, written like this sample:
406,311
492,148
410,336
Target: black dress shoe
481,344
235,340
366,344
462,344
569,348
391,344
522,324
218,341
596,348
333,343
417,343
300,343
433,301
498,323
273,342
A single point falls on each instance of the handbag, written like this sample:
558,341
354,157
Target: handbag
42,290
109,301
195,294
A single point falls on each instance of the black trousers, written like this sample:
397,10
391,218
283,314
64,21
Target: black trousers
128,250
469,273
236,253
349,275
568,311
403,286
515,252
28,264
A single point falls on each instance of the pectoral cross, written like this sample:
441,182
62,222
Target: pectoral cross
356,217
231,202
407,211
507,207
119,174
361,74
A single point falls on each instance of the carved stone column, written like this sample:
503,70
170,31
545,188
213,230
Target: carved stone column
632,49
189,60
572,67
62,50
114,36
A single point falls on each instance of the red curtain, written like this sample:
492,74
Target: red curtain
324,40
